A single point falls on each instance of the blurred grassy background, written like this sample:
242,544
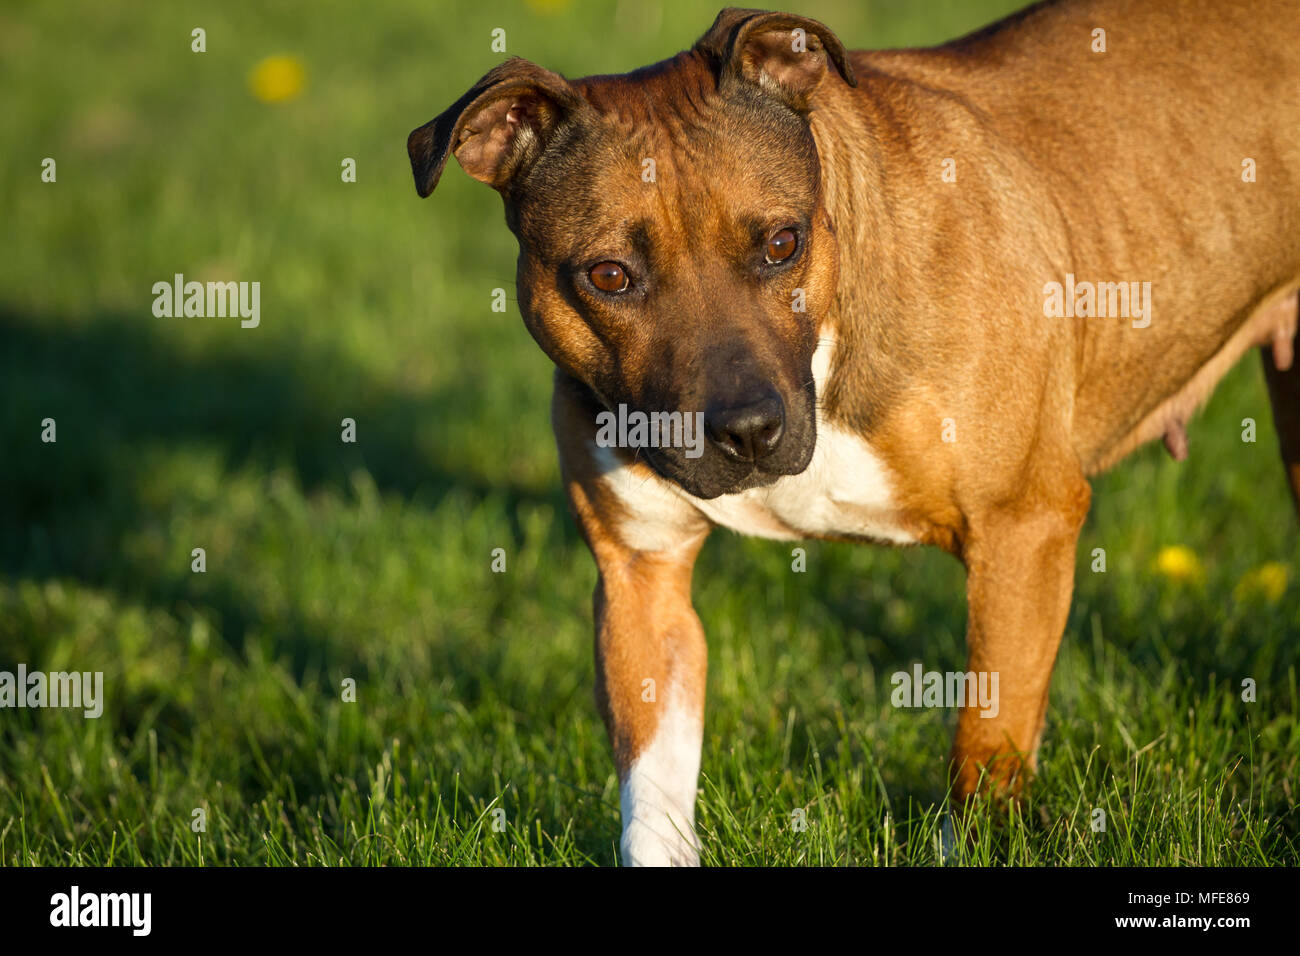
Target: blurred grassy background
371,561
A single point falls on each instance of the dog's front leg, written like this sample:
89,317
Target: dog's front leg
1020,576
650,673
650,652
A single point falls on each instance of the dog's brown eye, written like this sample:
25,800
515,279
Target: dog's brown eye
781,245
608,277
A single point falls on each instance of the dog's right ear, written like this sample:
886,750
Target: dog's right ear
496,129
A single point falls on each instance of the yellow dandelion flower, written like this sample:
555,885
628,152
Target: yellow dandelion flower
277,79
1178,563
1267,581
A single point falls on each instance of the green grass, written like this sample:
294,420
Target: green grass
328,561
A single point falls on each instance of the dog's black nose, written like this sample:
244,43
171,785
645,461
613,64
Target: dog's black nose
749,431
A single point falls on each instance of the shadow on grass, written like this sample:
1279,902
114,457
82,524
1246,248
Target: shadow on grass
115,390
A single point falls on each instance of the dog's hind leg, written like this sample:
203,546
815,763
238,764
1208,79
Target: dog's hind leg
1283,375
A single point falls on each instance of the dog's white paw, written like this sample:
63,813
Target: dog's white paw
658,844
657,794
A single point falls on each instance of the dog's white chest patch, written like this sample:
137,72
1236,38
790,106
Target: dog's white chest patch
845,491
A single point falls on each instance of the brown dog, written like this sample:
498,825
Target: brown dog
914,296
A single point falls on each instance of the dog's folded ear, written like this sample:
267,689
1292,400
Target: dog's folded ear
496,129
784,54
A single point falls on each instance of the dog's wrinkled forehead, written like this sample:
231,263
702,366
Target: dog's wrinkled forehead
665,144
742,91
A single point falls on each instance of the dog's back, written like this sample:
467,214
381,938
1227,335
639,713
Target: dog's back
1164,137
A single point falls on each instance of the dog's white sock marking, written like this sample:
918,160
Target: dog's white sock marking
657,794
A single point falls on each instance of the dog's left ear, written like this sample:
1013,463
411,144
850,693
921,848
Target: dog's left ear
784,54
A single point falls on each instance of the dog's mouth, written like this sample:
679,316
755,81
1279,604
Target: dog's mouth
725,449
713,474
709,485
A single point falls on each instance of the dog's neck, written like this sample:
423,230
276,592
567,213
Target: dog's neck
864,151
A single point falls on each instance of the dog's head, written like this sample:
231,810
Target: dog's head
674,251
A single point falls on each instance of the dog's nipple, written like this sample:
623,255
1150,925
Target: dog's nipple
1283,345
1176,440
